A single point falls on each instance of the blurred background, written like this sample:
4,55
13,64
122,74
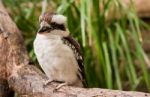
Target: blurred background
114,36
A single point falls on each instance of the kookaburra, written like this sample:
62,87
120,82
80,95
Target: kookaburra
57,52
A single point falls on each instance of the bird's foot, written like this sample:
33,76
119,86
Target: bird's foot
60,86
47,82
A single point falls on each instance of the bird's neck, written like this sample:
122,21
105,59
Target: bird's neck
48,36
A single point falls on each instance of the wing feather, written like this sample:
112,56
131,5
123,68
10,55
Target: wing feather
74,45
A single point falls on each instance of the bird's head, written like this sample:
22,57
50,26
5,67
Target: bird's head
53,24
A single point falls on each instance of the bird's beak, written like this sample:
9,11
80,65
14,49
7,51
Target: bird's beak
40,30
44,29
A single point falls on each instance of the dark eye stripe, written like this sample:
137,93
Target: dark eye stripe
58,26
45,29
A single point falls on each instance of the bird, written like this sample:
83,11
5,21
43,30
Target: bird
57,52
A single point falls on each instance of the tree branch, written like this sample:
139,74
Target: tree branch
27,80
142,7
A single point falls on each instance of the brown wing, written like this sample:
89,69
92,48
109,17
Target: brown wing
77,52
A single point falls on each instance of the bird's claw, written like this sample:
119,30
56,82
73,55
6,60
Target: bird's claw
60,86
47,82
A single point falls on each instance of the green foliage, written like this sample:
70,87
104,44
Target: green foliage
109,33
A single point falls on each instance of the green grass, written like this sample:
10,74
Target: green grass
106,39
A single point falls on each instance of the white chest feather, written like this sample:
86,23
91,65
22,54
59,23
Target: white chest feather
56,59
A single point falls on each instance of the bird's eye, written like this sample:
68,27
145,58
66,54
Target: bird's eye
46,29
58,26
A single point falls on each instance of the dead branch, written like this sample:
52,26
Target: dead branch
27,80
142,7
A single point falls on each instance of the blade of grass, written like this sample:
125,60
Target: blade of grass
83,15
114,59
131,67
108,71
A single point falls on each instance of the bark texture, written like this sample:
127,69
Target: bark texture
142,7
28,81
